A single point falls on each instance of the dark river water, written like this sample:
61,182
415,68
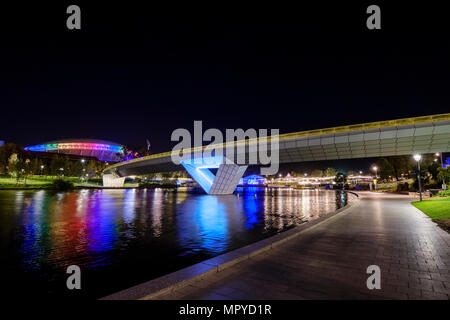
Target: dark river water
120,238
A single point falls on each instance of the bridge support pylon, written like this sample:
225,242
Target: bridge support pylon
225,180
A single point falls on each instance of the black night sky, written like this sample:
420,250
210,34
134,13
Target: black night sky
134,72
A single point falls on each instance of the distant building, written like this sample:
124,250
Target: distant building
252,180
102,150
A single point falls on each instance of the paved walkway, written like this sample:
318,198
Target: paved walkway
329,261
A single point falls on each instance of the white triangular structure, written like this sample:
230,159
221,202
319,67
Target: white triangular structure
225,180
112,181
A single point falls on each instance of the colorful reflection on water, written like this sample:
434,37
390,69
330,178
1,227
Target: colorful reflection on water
120,238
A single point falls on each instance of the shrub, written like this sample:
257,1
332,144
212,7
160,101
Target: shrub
62,185
444,193
401,187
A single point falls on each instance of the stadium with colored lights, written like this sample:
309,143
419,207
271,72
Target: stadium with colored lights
102,150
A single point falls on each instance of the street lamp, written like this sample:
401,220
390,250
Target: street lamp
417,157
375,168
82,161
437,154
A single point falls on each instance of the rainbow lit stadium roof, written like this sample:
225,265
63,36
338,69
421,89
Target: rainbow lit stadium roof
102,150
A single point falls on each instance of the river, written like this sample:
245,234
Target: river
120,238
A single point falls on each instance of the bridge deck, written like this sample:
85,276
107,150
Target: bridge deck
386,138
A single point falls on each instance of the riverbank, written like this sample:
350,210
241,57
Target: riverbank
178,280
46,183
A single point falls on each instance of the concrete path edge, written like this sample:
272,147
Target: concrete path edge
178,279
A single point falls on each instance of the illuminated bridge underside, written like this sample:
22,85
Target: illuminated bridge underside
388,138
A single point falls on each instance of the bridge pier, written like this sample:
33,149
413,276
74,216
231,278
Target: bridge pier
225,180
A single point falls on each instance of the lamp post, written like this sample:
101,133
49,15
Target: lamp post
83,169
440,154
417,157
375,168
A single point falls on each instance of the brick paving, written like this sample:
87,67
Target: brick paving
330,261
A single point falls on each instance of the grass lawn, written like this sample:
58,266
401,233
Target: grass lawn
435,209
31,182
44,181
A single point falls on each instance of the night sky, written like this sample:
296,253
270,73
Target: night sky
133,72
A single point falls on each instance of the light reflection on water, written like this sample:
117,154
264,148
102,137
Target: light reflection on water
136,235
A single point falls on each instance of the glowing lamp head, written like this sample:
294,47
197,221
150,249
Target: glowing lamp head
375,168
417,157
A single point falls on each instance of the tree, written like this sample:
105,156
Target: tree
394,166
36,166
317,173
100,166
56,164
91,168
16,167
26,169
6,151
433,169
444,174
330,172
71,168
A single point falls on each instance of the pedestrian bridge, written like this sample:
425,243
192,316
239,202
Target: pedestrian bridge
427,134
